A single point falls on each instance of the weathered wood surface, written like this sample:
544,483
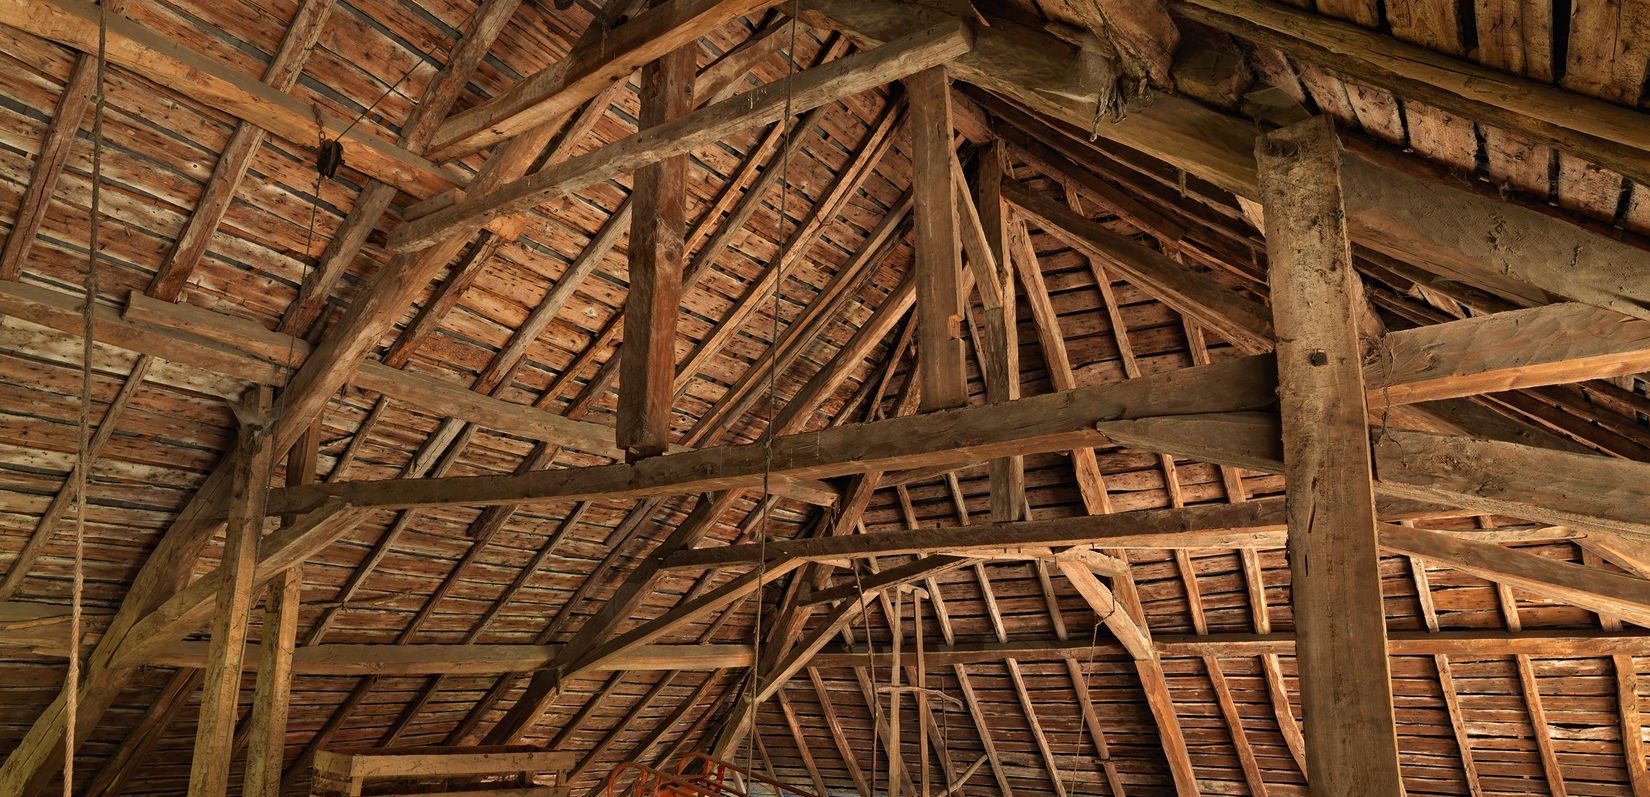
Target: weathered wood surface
1335,579
435,585
819,86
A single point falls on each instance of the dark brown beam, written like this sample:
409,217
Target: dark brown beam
1333,554
648,368
810,89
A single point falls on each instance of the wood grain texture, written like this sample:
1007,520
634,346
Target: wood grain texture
1333,556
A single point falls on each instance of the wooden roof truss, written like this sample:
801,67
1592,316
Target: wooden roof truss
855,226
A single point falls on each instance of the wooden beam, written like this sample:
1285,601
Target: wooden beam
1530,688
1610,135
1000,352
810,89
1538,486
60,138
648,369
1050,422
1546,643
1601,591
221,692
1549,345
938,266
1242,321
1196,413
1091,483
266,747
1486,242
281,74
271,697
687,612
118,770
350,659
1133,636
557,90
169,563
1334,563
1446,680
203,338
203,79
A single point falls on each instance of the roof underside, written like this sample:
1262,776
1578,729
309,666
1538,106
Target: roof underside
552,566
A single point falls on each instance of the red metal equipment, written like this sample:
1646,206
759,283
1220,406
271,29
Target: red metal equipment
712,777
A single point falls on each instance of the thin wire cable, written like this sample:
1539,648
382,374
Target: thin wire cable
1088,692
870,667
393,89
71,682
788,130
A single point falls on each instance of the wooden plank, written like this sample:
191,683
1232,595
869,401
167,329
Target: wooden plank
1334,563
757,293
118,770
169,63
29,766
1607,134
1600,591
1237,319
58,509
648,367
282,73
76,99
221,692
544,688
839,737
553,92
1417,218
810,89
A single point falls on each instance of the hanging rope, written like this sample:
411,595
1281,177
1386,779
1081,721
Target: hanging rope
1087,695
787,131
870,667
71,682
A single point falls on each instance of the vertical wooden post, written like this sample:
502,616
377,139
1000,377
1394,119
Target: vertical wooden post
921,683
647,365
939,262
220,695
896,759
1001,339
266,740
1351,737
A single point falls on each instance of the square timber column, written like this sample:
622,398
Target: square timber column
939,260
220,694
1334,560
647,366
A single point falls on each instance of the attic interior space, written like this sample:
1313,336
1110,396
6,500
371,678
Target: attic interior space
824,398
